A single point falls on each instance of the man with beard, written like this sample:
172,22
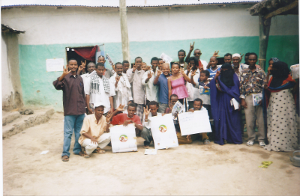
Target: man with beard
224,88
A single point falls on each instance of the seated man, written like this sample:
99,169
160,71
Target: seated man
125,119
148,113
198,106
181,139
94,131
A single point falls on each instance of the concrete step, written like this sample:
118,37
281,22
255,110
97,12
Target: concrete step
8,117
25,121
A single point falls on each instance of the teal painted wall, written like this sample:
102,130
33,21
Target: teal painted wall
37,82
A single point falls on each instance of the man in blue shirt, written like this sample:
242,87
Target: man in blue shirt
162,81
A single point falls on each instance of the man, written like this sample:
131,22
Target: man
224,89
149,113
99,89
160,63
90,68
95,131
228,58
252,82
236,59
121,85
197,53
181,62
125,119
107,73
125,64
147,81
161,80
74,106
135,76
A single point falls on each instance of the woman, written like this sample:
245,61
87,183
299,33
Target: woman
176,83
282,124
271,61
223,88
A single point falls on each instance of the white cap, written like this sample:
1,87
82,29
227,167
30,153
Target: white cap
236,55
97,104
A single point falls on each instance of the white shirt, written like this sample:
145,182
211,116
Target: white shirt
101,95
84,78
204,63
151,89
148,124
193,92
137,87
122,91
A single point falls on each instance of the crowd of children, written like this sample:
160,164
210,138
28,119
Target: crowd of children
132,94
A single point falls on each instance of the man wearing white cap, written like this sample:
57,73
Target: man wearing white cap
95,131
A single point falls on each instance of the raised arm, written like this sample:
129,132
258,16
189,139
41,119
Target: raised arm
186,78
170,87
191,50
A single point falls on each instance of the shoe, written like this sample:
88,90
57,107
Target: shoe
250,143
262,144
206,141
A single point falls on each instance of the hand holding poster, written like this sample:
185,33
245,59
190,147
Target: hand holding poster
123,138
163,132
194,122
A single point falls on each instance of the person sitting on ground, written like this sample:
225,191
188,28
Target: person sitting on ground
95,131
198,107
125,119
148,113
181,139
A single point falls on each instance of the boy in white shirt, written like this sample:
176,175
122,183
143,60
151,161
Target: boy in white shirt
147,81
148,113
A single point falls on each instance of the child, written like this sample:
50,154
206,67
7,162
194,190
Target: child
204,89
198,106
148,113
192,91
135,76
213,67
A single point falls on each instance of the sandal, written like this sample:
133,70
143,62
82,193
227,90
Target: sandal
206,141
80,153
98,150
65,158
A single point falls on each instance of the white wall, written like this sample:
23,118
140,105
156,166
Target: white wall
48,25
7,87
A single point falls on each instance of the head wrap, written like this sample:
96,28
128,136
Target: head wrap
280,71
227,76
236,55
274,59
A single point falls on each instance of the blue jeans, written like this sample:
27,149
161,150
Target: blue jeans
72,122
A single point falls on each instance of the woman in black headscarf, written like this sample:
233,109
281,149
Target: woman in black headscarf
223,89
281,113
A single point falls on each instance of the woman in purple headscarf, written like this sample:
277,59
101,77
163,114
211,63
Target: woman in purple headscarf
223,89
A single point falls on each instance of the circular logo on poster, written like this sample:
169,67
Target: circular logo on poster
123,138
163,128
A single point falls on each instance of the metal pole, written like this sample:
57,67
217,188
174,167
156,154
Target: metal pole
124,30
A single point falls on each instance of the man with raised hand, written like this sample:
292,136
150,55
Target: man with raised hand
74,106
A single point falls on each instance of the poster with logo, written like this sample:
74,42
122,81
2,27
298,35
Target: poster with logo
163,132
123,138
194,122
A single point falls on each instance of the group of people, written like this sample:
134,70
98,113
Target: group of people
134,94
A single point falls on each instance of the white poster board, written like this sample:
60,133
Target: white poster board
55,64
123,138
163,132
194,122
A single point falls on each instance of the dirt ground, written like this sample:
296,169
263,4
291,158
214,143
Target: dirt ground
194,169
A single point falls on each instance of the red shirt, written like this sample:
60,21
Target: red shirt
121,118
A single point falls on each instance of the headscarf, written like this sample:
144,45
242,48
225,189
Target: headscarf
227,76
280,71
274,59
